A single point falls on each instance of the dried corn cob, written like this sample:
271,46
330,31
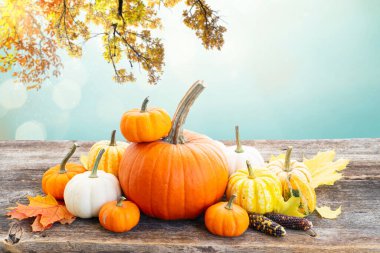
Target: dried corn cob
263,224
290,221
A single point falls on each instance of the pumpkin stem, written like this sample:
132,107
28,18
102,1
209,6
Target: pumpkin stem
144,104
113,142
287,158
239,147
120,201
62,168
229,204
250,169
94,172
175,135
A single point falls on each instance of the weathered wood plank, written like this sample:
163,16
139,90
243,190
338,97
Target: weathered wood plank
357,229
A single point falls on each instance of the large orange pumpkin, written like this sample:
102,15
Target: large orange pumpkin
178,177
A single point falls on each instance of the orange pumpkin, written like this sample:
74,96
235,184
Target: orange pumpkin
55,179
119,216
226,219
110,161
145,125
178,177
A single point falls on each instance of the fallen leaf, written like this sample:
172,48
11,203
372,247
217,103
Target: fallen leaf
323,170
46,209
15,214
84,160
37,226
290,207
279,157
67,220
327,213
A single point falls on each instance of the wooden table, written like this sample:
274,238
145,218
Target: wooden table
357,229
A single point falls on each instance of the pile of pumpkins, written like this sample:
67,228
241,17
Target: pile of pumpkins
171,173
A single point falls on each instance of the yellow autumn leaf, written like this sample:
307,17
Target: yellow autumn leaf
327,213
279,157
290,207
84,160
323,169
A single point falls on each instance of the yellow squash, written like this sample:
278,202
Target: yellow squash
296,180
111,158
258,190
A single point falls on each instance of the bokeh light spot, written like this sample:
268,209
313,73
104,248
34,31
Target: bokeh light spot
12,94
31,130
67,94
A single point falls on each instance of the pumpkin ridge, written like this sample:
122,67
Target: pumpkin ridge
136,129
236,221
104,164
166,189
214,176
240,187
151,188
168,186
160,114
220,225
222,160
183,193
265,192
200,172
128,176
52,180
218,176
110,216
249,191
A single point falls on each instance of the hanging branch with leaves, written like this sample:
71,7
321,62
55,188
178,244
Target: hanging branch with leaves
33,31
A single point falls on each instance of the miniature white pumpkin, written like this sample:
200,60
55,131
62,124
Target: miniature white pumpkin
238,155
85,193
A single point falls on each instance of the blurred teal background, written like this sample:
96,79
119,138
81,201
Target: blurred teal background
288,70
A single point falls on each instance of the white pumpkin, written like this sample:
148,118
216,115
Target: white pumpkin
238,155
85,193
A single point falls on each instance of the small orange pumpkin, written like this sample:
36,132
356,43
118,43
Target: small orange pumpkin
55,179
113,153
145,125
119,216
162,177
226,219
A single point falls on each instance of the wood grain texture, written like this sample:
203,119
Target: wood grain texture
22,164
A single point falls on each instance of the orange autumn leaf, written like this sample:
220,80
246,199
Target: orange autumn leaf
15,214
46,209
37,226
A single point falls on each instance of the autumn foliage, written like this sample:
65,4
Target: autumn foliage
46,211
33,31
